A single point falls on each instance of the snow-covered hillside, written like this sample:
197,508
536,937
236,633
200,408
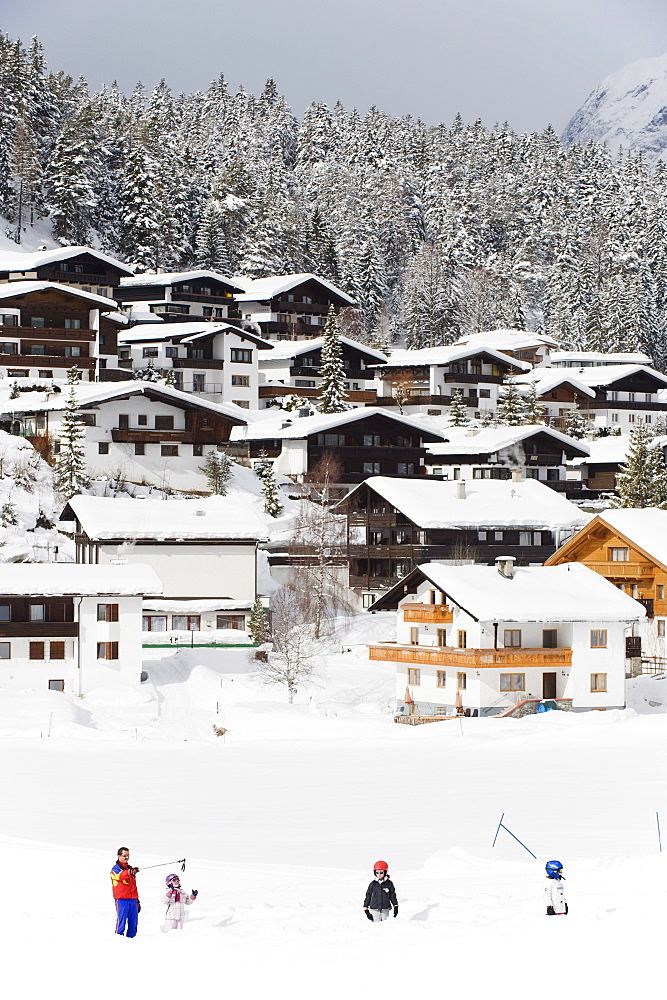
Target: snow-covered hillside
282,819
627,110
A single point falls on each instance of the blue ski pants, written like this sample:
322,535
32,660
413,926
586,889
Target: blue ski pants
127,915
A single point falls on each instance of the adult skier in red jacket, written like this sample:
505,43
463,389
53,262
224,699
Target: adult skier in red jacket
125,894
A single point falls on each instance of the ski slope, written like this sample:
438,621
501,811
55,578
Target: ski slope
282,819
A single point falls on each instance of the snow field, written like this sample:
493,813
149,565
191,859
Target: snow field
282,820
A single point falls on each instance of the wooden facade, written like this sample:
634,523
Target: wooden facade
85,271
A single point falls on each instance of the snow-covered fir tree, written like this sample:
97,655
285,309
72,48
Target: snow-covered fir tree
8,514
262,464
259,623
511,405
332,389
270,493
147,374
642,478
217,468
70,469
576,425
458,411
534,407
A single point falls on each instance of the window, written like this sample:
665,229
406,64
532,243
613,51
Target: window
154,623
56,685
149,352
5,650
72,352
498,536
241,356
139,448
164,423
598,682
169,450
441,678
103,292
198,450
197,353
372,441
550,638
5,613
371,468
37,613
619,555
240,380
107,651
485,394
38,349
442,637
552,475
661,591
44,374
461,639
367,600
414,636
598,638
405,468
512,682
37,322
199,382
461,680
72,324
36,651
512,637
243,403
123,421
414,676
661,627
331,440
305,383
230,621
88,419
6,347
481,536
185,623
171,352
103,448
107,612
57,650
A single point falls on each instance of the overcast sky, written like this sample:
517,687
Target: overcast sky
529,62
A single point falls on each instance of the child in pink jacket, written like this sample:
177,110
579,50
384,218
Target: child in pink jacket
176,901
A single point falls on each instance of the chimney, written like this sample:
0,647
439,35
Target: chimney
460,489
517,476
505,566
472,432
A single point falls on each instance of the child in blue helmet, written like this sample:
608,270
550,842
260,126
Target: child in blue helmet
176,901
555,890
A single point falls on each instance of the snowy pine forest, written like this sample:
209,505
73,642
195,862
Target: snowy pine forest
435,231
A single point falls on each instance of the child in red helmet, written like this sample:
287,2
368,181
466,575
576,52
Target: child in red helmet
380,896
175,900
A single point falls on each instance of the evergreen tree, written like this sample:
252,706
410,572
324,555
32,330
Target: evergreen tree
259,623
211,251
511,407
332,372
147,374
262,464
8,514
217,468
576,425
642,478
534,407
458,411
70,470
271,494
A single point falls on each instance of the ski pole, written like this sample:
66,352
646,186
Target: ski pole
163,864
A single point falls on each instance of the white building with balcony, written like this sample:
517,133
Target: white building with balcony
483,640
72,628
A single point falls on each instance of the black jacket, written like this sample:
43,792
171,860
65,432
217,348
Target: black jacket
381,895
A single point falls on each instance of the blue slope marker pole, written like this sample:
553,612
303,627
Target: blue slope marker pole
657,819
501,824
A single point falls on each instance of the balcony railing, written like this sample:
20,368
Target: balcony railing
427,613
623,569
47,333
38,630
446,656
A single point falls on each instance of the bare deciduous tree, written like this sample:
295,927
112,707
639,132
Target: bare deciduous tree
294,644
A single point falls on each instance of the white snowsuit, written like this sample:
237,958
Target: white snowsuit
175,899
554,893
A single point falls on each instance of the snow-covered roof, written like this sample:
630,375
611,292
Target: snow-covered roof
587,358
216,518
185,333
607,374
570,592
508,340
20,260
486,440
11,288
64,579
546,379
170,277
261,289
285,349
91,393
445,355
646,528
286,425
488,503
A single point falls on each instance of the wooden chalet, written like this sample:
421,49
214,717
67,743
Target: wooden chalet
177,296
290,306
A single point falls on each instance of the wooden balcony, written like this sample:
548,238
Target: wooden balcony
46,361
446,656
213,363
623,570
47,333
147,435
437,613
38,630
